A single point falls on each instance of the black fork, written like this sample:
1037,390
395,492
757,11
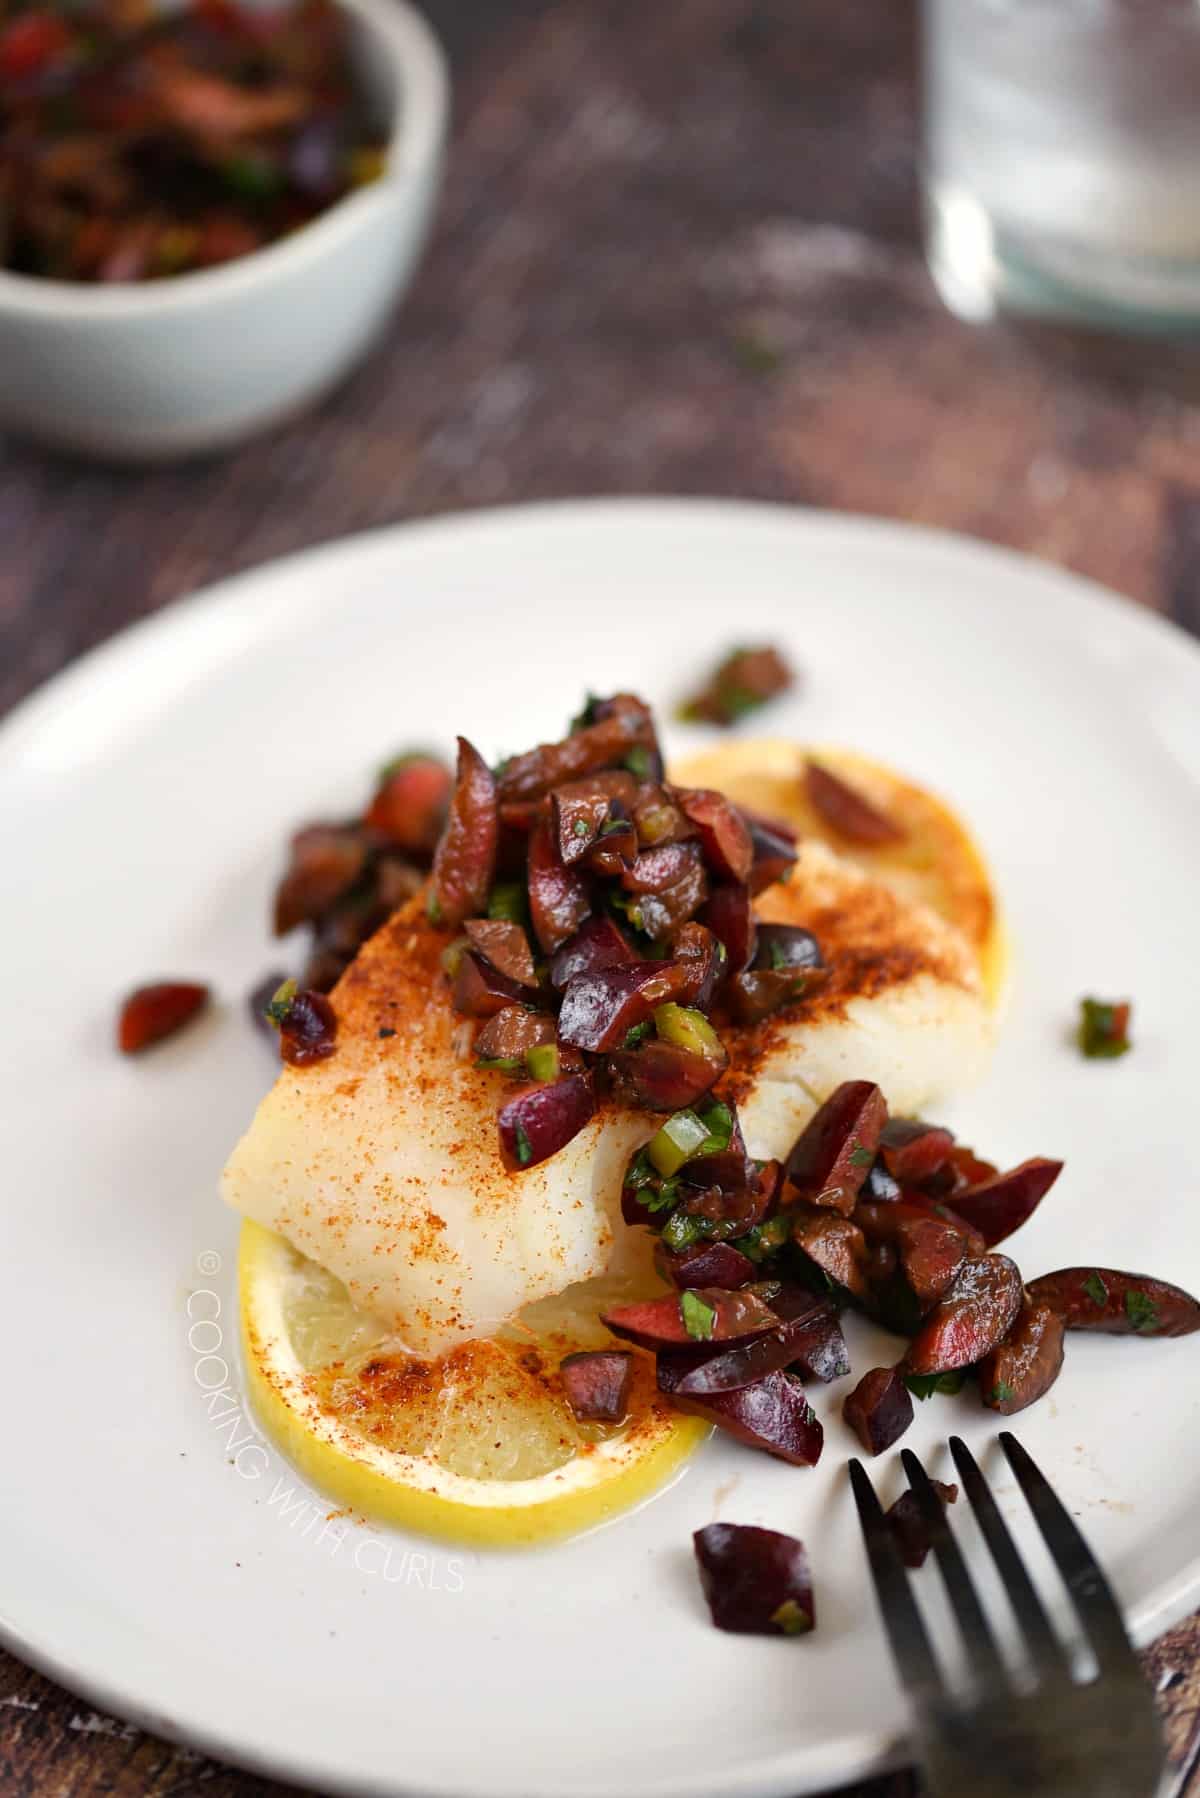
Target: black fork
1061,1737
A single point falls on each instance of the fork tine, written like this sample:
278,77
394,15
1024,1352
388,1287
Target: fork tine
973,1626
1046,1651
1090,1592
906,1631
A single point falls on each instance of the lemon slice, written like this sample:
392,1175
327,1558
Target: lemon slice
938,863
479,1446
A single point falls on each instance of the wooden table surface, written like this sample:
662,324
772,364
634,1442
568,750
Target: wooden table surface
677,252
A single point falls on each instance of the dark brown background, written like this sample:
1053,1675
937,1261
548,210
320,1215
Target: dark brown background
677,253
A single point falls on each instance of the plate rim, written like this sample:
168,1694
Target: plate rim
828,1763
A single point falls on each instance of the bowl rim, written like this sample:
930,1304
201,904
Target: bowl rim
414,139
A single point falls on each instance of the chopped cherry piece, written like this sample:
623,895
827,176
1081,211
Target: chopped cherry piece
760,992
707,1264
505,946
774,846
880,1409
811,1342
884,1221
726,1213
835,1245
700,957
1102,1298
742,682
914,1150
659,869
558,896
480,990
614,851
704,1314
596,946
509,1035
658,818
620,726
409,808
846,811
326,860
582,808
908,1524
724,834
728,1168
661,915
930,1249
662,1077
152,1013
596,1382
756,1581
1026,1364
307,1029
971,1319
1001,1205
730,916
464,862
784,947
600,1009
773,1414
540,1120
834,1152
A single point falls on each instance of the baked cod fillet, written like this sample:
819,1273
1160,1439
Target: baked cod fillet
383,1164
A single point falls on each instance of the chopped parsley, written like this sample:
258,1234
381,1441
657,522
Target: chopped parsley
1002,1393
698,1318
1142,1312
280,1003
791,1619
638,1034
504,1064
681,1230
1104,1028
579,827
924,1385
638,761
524,1147
1096,1290
860,1157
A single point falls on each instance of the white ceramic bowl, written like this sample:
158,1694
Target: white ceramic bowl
198,362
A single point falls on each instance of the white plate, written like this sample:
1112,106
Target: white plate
146,1558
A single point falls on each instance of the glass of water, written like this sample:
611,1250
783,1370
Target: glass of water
1062,159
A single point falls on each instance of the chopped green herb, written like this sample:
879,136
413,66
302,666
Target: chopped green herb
1096,1290
924,1385
638,1034
698,1318
664,1198
503,1064
252,177
680,1230
1103,1028
764,1239
585,717
778,954
280,1003
507,902
524,1147
433,907
638,761
1002,1392
579,828
542,1061
792,1619
860,1157
754,355
1142,1312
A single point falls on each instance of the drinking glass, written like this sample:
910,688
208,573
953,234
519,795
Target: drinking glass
1062,159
